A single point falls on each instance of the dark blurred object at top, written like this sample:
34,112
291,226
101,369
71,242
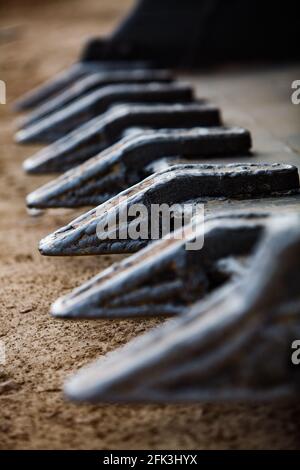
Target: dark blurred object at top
193,33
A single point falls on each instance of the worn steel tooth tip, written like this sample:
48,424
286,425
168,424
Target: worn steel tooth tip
102,131
235,345
168,275
56,125
67,78
92,82
127,162
45,243
178,185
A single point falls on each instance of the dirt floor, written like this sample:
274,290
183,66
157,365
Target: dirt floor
37,39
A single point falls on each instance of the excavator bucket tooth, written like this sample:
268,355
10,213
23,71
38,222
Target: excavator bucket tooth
126,163
93,82
103,131
167,276
233,345
68,77
105,228
56,125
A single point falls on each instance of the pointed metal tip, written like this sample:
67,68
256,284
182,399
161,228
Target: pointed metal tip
73,240
21,137
29,166
32,199
75,392
66,307
33,135
51,246
57,309
45,161
89,384
43,92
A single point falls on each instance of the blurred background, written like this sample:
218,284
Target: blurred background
32,31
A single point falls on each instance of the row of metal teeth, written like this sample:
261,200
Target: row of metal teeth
136,135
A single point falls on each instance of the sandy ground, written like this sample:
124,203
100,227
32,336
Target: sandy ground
37,39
